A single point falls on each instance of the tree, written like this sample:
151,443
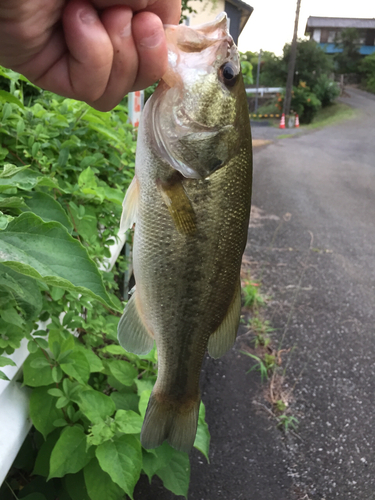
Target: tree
367,69
311,62
348,60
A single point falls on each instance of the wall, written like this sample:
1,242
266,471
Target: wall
207,11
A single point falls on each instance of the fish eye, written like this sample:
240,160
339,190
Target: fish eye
228,74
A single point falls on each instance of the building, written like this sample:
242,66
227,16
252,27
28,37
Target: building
238,13
326,30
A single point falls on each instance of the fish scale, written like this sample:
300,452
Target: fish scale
191,195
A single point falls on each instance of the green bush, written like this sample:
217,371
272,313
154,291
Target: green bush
367,69
326,90
304,102
64,169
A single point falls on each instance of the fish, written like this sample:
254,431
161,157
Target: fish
190,203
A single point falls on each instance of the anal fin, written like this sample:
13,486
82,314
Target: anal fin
223,339
133,335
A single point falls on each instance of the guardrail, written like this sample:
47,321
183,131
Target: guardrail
264,90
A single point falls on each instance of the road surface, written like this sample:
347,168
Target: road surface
312,244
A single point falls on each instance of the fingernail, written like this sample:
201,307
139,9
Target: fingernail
152,41
88,16
126,31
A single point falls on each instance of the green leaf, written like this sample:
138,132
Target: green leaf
4,361
24,290
93,360
96,405
99,484
7,201
76,487
41,466
65,341
40,363
128,422
63,157
157,459
44,250
176,475
77,366
8,97
202,438
3,376
43,411
125,400
47,208
36,377
123,371
122,460
23,178
143,402
69,454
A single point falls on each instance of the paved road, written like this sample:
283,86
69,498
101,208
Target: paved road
313,245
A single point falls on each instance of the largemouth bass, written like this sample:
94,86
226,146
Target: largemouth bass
190,201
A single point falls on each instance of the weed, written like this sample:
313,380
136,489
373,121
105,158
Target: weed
252,296
287,421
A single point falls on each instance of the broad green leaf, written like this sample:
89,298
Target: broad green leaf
143,402
41,467
10,169
24,178
202,439
69,454
43,411
123,371
76,365
176,475
99,484
66,342
44,250
93,360
76,487
8,201
36,377
156,459
125,400
3,376
24,290
4,361
47,208
87,179
8,97
122,460
96,405
117,350
128,422
145,384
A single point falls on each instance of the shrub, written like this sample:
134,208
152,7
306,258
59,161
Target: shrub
64,169
304,102
326,90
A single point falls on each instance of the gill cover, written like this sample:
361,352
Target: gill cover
194,109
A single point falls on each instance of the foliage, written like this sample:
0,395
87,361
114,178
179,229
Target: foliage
272,72
247,72
252,295
311,62
367,69
347,61
304,103
326,90
63,173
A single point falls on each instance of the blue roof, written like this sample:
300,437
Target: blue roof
331,48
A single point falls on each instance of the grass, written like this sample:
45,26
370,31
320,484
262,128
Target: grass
330,115
267,359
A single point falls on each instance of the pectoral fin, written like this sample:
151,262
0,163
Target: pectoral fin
133,335
179,206
130,206
223,339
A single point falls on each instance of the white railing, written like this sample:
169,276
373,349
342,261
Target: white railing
264,90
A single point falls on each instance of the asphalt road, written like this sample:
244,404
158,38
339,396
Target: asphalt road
312,244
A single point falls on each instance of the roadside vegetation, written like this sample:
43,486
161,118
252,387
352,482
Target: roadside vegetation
266,356
64,169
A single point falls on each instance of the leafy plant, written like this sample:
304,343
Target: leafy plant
304,102
252,296
367,69
326,90
64,169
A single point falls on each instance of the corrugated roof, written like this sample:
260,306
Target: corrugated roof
339,22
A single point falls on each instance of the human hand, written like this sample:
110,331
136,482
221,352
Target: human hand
95,51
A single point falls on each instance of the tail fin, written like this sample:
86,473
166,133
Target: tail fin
173,422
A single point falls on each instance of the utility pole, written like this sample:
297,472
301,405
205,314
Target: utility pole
292,63
257,84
